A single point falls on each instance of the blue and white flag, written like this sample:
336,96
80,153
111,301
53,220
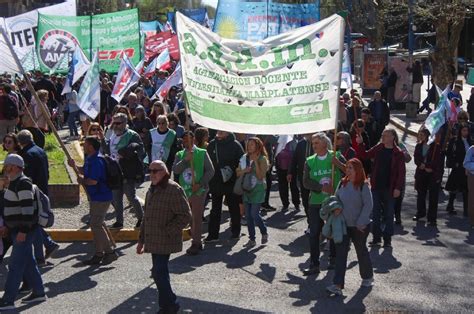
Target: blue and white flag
89,94
79,66
437,117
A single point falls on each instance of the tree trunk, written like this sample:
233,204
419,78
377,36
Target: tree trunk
448,32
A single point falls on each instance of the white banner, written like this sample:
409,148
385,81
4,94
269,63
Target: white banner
286,84
7,61
22,28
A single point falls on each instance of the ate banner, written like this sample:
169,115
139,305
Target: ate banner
286,84
112,33
155,44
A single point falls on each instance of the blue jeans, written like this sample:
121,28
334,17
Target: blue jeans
382,214
252,213
22,264
41,238
128,188
71,122
161,276
342,249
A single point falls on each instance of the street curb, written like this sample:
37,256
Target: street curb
400,126
85,235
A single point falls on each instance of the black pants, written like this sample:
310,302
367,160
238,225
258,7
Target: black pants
316,225
268,178
452,197
283,189
216,212
365,264
433,190
398,206
38,136
304,198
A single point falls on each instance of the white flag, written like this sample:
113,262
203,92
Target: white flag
89,94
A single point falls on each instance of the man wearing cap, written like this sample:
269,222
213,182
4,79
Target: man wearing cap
21,218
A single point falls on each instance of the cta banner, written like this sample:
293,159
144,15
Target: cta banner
256,20
112,34
286,84
22,28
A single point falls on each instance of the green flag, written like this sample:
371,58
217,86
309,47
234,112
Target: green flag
111,33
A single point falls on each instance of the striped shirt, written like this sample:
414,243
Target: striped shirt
19,212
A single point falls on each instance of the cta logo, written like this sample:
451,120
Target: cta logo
116,53
307,110
55,45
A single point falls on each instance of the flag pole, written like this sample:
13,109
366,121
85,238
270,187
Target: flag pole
341,55
30,87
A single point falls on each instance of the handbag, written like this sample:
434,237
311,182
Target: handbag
244,183
226,171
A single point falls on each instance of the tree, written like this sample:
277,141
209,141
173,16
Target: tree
386,22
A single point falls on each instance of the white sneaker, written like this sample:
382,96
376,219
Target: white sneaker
367,282
250,244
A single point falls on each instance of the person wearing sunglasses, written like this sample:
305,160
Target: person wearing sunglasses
163,142
167,213
126,146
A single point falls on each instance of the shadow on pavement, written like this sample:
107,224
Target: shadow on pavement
427,234
146,301
383,260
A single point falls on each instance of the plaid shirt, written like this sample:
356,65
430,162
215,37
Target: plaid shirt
166,213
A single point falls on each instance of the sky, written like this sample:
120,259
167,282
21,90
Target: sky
212,3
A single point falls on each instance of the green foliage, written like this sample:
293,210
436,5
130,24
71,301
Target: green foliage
56,158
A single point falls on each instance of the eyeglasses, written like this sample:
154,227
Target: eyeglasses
156,170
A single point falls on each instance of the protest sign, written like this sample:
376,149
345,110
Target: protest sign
286,84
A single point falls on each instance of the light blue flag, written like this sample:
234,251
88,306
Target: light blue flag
89,94
437,117
79,66
258,20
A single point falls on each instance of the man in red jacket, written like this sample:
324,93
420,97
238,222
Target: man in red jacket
386,180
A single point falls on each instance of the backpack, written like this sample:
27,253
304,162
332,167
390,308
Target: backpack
9,108
42,203
113,173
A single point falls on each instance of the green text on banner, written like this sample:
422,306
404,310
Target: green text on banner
286,84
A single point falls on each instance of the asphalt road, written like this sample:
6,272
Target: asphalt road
428,270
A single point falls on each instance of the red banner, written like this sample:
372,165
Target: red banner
155,44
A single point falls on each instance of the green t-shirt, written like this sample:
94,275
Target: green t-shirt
321,171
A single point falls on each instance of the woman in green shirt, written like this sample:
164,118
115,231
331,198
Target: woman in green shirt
255,164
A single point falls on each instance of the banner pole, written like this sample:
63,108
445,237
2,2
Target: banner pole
341,56
30,87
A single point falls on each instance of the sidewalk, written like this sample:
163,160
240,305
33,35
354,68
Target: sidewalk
409,125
